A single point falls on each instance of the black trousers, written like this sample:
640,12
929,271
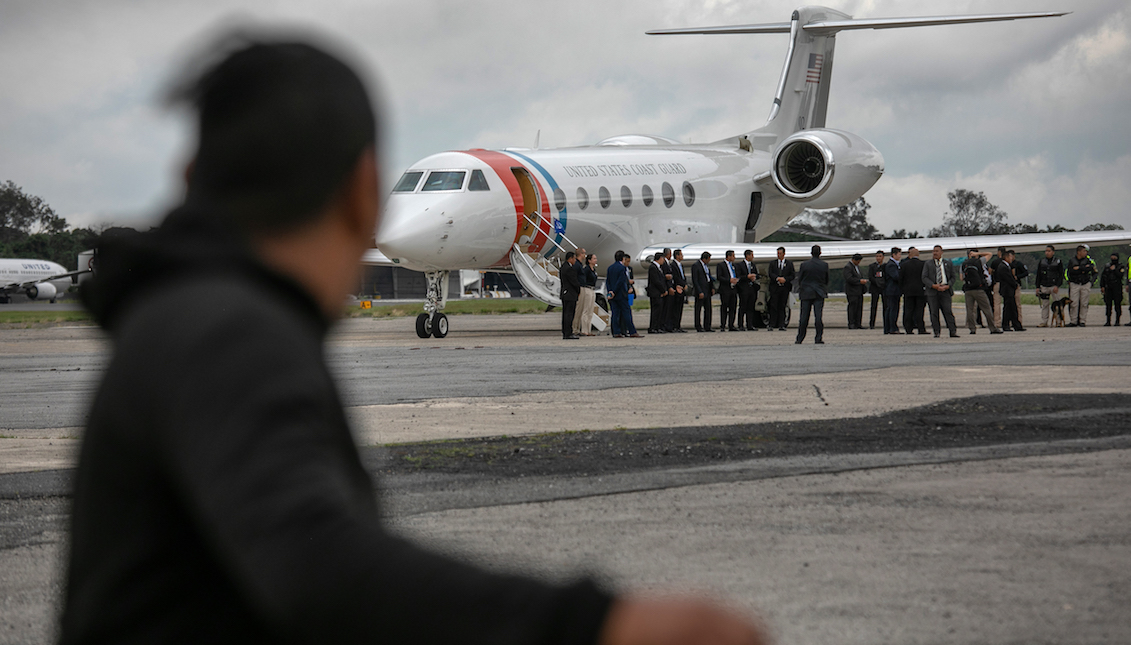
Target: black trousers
669,304
817,305
856,310
569,307
891,314
779,298
877,300
656,315
728,308
746,296
675,311
1114,301
940,301
913,307
702,312
1009,310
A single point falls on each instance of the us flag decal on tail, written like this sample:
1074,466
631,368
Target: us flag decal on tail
813,74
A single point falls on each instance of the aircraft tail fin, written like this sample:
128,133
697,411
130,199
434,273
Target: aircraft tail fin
801,100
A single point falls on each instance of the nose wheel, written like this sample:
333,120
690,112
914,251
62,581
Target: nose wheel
432,325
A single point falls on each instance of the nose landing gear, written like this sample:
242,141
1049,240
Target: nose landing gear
433,322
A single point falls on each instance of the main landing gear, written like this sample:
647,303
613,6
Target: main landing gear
433,322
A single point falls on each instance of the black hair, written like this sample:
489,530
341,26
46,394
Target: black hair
618,256
658,255
815,251
705,256
894,250
782,249
281,127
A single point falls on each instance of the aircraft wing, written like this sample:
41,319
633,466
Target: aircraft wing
822,27
20,286
375,258
844,250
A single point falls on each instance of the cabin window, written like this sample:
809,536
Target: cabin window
605,197
478,181
646,194
669,194
688,194
559,199
443,180
626,196
408,181
582,198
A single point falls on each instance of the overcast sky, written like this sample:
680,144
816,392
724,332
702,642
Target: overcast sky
1033,113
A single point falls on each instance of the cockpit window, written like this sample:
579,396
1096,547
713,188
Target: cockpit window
408,181
478,181
443,180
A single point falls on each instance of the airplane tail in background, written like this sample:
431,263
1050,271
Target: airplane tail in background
802,96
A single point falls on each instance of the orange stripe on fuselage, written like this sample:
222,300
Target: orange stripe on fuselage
502,164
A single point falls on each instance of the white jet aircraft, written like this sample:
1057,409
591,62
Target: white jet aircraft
38,279
520,210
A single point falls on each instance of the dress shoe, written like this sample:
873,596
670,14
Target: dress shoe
1019,329
618,335
936,335
1070,325
709,330
954,334
972,332
1107,324
571,337
997,332
732,328
681,331
781,328
636,336
818,342
796,342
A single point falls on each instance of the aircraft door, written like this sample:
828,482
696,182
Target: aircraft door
530,205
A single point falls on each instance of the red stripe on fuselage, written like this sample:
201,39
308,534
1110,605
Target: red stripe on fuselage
502,164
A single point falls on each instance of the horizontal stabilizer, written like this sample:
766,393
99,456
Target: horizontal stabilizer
825,27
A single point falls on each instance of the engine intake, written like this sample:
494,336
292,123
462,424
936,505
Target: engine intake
41,291
826,168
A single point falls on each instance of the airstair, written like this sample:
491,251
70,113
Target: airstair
539,275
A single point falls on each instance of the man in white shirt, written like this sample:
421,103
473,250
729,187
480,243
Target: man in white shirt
938,278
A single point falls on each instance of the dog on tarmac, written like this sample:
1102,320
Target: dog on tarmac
1057,307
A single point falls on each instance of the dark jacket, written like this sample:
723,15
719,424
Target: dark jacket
876,277
775,272
587,276
911,277
701,279
1050,273
722,272
813,280
930,274
616,281
1111,278
571,282
219,496
679,276
891,279
657,283
852,276
1081,271
1004,277
744,282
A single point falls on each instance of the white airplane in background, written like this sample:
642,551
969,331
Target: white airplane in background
520,210
38,279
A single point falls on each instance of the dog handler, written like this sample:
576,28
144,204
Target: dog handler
1050,275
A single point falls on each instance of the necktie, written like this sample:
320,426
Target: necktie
938,270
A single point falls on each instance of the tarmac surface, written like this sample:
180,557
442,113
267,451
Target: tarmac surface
876,489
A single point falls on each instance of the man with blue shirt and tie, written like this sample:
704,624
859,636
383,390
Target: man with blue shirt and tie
728,298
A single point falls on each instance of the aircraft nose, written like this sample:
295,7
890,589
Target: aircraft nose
427,233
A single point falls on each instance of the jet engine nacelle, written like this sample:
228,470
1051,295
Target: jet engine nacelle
44,290
825,168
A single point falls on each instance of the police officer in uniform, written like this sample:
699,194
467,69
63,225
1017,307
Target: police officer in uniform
1081,272
1111,285
1050,275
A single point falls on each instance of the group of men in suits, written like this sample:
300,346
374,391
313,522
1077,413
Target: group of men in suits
738,284
921,285
667,286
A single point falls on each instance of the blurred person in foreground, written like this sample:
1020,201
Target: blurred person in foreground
219,496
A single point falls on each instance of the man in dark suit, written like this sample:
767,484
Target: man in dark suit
1004,276
876,286
616,285
812,289
571,291
892,292
657,289
669,295
914,295
854,285
728,279
781,283
938,278
747,291
704,291
679,285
